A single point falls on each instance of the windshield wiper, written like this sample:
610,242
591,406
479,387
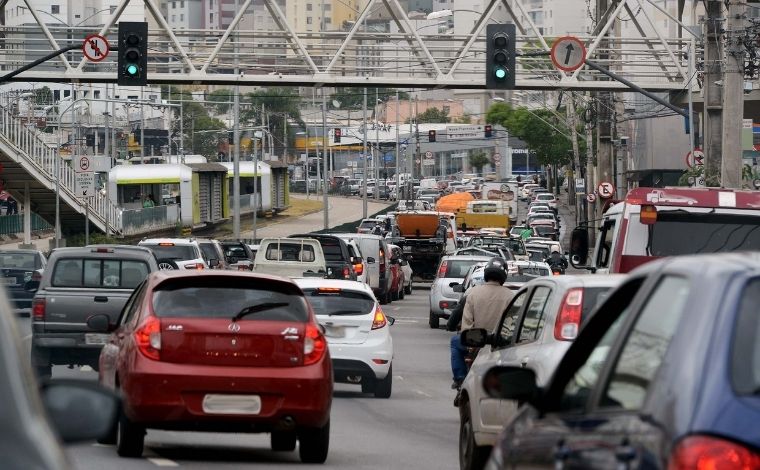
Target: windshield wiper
345,312
251,309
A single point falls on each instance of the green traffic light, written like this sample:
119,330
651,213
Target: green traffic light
500,73
132,69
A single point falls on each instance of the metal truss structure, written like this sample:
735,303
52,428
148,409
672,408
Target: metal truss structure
399,55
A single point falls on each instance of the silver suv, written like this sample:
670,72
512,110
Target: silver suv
79,283
176,253
535,330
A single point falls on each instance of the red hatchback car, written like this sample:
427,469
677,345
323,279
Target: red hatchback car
219,351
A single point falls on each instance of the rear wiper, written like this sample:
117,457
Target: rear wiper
251,309
345,312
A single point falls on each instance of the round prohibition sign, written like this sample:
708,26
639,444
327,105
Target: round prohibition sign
568,53
95,47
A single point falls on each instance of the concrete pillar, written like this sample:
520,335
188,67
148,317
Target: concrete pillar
27,215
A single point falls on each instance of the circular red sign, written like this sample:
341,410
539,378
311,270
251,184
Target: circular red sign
95,47
568,53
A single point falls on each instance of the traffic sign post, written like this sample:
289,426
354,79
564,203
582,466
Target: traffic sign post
85,177
568,53
591,198
606,190
95,47
697,159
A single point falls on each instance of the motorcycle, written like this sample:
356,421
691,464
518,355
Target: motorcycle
469,358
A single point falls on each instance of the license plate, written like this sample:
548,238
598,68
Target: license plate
232,404
96,338
335,331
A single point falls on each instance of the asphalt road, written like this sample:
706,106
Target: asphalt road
417,428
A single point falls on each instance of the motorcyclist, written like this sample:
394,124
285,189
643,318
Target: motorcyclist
483,309
556,259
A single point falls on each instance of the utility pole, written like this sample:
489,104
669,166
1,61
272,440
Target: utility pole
324,161
572,124
590,177
236,148
733,97
376,160
604,112
713,131
364,156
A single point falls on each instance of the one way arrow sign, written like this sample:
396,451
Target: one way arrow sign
568,53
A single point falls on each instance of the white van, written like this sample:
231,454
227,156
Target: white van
375,252
293,257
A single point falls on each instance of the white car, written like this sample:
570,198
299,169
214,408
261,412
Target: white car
527,188
549,198
176,253
357,331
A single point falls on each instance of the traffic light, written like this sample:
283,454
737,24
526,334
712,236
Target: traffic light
133,53
500,56
431,135
488,130
337,135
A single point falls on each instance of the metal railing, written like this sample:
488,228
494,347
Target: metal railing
138,221
14,224
247,202
39,159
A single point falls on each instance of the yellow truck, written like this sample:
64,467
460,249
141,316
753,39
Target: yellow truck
483,214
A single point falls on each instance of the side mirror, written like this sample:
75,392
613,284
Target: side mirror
512,383
370,260
579,245
391,320
99,322
80,410
474,338
34,283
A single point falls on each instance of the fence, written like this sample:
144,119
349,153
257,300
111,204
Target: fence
13,224
137,221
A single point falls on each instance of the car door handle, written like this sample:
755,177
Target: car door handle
101,298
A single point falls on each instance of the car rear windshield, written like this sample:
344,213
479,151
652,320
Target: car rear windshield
367,224
745,361
515,246
28,261
328,301
331,249
227,296
679,233
99,273
235,251
543,230
209,250
458,268
593,296
290,252
175,252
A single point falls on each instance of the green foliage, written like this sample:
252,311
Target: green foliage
478,160
463,119
281,104
43,96
196,121
533,127
433,115
221,100
353,98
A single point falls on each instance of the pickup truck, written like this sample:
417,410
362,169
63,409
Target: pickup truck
290,257
78,283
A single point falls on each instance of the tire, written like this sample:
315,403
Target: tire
166,264
110,438
394,295
471,456
130,438
383,387
283,441
368,385
434,321
41,365
314,444
402,292
408,289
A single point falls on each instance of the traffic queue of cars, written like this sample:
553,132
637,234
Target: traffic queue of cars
198,335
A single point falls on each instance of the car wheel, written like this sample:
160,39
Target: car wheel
394,295
471,456
110,438
401,292
41,364
283,441
166,264
130,438
408,288
383,387
368,385
434,321
314,444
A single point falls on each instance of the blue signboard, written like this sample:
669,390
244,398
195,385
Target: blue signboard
388,157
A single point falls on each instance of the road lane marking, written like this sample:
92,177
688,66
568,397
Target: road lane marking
420,392
398,377
161,462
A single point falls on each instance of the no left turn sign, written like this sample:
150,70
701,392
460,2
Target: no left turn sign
606,190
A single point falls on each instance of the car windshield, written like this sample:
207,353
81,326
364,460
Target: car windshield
235,251
226,296
592,297
515,246
180,252
329,301
29,261
541,216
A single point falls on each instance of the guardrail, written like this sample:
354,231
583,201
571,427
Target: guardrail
14,224
137,221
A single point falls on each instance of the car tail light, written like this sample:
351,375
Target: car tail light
346,272
379,321
382,261
359,269
314,345
711,453
38,309
569,319
148,338
443,269
195,266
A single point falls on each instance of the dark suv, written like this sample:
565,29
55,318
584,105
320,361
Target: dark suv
79,283
339,262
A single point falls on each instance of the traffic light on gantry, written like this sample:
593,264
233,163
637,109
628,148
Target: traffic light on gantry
500,56
337,134
431,135
488,131
133,53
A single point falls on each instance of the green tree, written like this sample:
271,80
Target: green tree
43,96
463,119
221,100
281,105
353,98
478,161
433,115
204,132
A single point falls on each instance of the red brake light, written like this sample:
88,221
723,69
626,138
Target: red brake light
148,338
710,453
569,319
329,290
102,250
346,272
442,270
38,309
379,321
314,345
359,269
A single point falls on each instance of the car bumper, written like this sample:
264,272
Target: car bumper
365,359
435,305
170,396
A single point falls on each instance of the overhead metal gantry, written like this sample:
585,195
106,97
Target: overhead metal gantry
399,53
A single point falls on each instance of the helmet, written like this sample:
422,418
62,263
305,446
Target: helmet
495,270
